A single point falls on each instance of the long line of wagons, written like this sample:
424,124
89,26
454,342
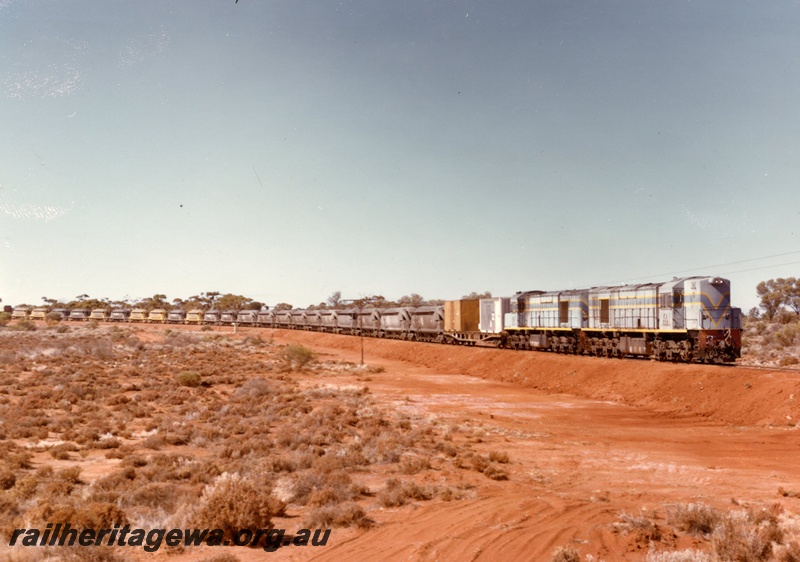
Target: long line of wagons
686,319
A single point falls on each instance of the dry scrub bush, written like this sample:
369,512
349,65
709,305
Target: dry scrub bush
315,487
62,450
499,457
495,473
256,388
646,530
18,460
24,325
689,555
694,518
95,515
10,513
188,378
744,536
7,478
71,474
748,535
233,502
296,356
220,557
565,554
342,515
396,493
157,495
52,318
413,465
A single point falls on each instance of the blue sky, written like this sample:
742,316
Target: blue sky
285,150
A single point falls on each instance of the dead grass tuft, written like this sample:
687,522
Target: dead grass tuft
396,493
694,518
565,554
342,515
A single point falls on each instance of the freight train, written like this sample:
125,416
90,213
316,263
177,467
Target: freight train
687,319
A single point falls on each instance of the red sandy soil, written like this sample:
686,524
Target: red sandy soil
588,438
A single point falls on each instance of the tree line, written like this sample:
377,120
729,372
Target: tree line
203,301
214,300
778,297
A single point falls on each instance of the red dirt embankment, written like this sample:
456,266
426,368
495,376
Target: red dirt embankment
726,394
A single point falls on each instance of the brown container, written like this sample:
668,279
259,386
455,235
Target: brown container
462,315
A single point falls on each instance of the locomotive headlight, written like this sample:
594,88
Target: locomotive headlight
717,281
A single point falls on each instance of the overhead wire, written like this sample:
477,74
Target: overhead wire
708,267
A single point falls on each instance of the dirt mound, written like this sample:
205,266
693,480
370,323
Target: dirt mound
731,395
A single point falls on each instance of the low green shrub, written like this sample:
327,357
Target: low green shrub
296,356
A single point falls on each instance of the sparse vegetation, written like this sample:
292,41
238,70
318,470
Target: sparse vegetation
276,429
268,441
746,535
24,325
